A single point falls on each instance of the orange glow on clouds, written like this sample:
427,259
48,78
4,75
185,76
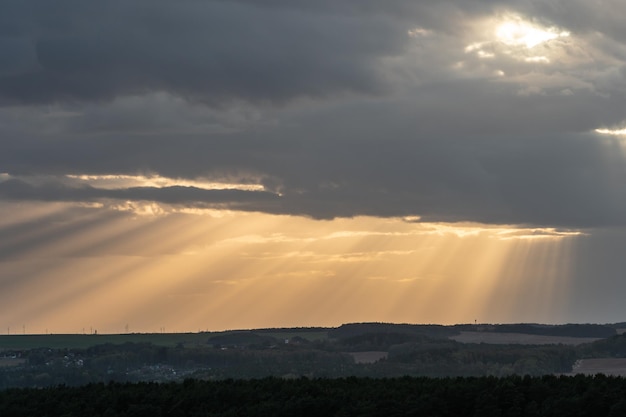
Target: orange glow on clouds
186,272
157,181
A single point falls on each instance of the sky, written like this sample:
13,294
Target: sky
230,164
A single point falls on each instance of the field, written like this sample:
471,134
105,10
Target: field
79,341
519,338
606,366
367,357
8,362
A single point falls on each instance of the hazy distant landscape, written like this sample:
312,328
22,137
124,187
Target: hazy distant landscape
289,371
359,349
519,338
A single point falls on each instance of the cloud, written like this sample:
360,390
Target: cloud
191,196
332,109
207,51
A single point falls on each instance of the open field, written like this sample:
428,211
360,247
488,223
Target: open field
8,362
367,357
606,366
79,341
519,339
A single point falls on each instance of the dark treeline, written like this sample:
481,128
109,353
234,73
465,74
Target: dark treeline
439,331
356,329
483,396
567,330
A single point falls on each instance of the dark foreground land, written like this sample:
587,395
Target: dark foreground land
364,350
484,396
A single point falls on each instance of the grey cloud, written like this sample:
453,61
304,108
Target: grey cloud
570,181
55,191
500,165
432,130
214,52
210,51
207,51
602,18
19,56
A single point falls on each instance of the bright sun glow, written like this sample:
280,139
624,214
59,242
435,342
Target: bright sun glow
124,181
613,132
520,32
516,37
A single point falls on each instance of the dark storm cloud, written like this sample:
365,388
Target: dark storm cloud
209,51
340,107
216,51
204,50
570,181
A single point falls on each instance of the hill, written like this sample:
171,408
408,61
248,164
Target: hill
357,349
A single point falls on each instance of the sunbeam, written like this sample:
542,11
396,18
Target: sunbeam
241,270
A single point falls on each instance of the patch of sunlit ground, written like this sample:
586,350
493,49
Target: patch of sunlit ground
216,270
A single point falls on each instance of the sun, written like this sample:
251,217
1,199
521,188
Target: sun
518,32
516,37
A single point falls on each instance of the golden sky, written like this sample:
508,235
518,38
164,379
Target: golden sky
215,270
197,165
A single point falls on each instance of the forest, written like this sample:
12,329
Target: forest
549,396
